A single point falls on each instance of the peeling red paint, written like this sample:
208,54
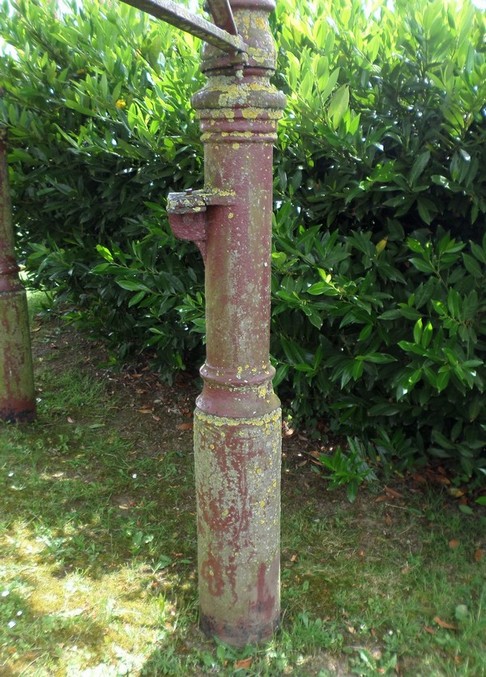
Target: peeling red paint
267,581
211,571
237,419
17,401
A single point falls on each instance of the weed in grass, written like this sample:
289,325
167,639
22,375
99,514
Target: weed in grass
40,303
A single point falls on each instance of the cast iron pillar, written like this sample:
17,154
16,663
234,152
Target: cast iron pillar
17,398
237,423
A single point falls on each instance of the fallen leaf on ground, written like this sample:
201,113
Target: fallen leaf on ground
440,479
145,410
461,612
184,426
454,543
244,664
420,479
315,454
393,493
428,629
444,624
479,554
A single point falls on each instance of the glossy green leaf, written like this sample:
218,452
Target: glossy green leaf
418,166
338,105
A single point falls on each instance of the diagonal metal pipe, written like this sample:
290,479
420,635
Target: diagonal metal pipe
179,16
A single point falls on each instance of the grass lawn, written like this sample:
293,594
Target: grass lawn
98,543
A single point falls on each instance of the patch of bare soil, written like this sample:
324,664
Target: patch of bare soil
141,406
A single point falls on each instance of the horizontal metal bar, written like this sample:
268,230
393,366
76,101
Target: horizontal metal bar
179,16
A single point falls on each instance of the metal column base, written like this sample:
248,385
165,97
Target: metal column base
17,399
238,506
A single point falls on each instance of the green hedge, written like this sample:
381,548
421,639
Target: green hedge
97,104
379,250
380,239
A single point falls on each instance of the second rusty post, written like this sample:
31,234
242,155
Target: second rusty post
17,398
237,425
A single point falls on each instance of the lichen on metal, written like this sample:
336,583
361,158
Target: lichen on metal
237,471
237,423
17,397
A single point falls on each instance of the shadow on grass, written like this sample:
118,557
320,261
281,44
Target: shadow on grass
88,520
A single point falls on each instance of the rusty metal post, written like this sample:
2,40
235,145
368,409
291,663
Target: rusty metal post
237,426
237,423
17,399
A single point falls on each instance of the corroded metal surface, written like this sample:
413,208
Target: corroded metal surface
237,426
237,420
237,429
251,18
188,214
178,15
222,15
17,400
238,499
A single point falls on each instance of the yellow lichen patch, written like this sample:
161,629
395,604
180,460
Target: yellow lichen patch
267,420
251,113
261,23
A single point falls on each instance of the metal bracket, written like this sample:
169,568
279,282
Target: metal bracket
187,214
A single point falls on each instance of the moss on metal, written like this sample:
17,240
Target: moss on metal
238,495
17,400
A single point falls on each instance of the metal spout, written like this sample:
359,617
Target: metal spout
188,215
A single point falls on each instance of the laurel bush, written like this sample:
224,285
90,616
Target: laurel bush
379,253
